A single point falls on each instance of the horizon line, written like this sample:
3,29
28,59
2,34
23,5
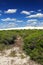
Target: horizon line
22,28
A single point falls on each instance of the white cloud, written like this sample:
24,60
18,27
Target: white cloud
32,11
8,19
11,11
0,14
38,15
11,19
11,25
8,25
19,21
39,10
31,24
32,20
40,24
25,12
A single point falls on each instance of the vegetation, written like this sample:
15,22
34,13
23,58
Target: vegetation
33,42
13,54
33,45
22,56
7,38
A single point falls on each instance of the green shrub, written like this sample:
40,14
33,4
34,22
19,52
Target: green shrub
33,46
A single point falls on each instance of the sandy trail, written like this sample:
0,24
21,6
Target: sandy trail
17,60
20,59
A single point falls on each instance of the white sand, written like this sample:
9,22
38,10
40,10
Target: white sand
17,60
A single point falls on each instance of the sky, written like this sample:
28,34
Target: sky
21,13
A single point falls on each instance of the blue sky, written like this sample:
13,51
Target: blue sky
21,13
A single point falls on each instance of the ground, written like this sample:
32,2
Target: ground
15,56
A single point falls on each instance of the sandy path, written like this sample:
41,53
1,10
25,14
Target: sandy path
17,60
20,59
6,60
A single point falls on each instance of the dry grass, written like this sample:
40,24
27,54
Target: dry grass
12,54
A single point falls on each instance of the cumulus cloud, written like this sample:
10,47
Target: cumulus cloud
11,19
11,25
8,19
10,11
32,24
6,25
40,24
25,12
0,14
32,20
38,15
35,23
39,10
32,11
19,21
